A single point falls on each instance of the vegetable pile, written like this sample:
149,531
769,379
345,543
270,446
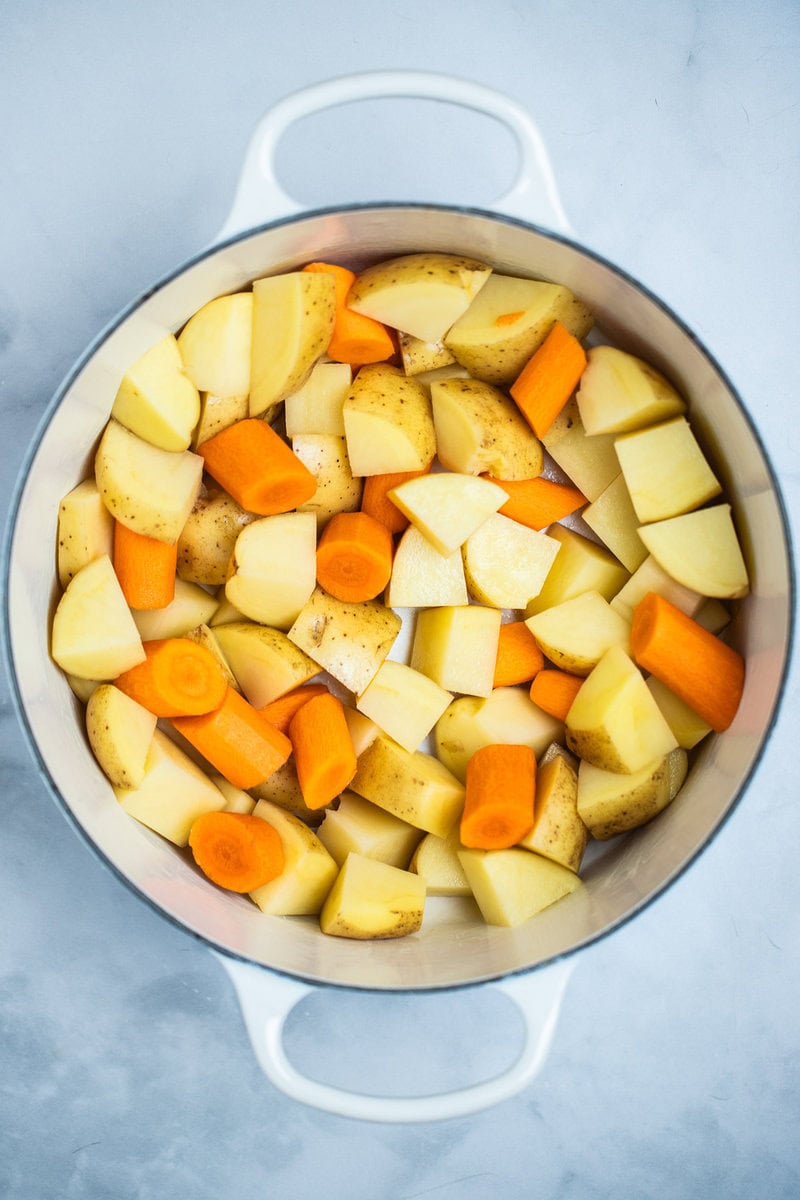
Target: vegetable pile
397,584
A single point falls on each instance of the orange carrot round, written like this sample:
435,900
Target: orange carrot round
354,557
356,339
499,800
323,750
145,568
549,378
554,691
280,712
237,741
538,502
703,671
257,468
518,655
178,678
376,503
237,851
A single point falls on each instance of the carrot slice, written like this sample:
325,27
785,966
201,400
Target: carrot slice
553,691
549,378
178,678
356,339
145,568
703,671
499,802
237,851
237,741
323,750
255,466
280,712
354,557
518,655
376,503
538,502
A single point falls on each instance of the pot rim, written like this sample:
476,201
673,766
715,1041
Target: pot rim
295,218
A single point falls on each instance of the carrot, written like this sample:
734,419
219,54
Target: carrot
356,339
323,750
499,802
538,502
703,671
145,568
376,503
237,741
509,318
354,557
280,712
553,691
255,466
549,378
237,851
178,678
518,656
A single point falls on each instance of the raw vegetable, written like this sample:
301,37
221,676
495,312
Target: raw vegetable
178,678
255,466
236,851
703,671
375,500
280,712
237,741
554,691
519,658
499,800
145,568
548,379
356,339
323,750
354,557
538,502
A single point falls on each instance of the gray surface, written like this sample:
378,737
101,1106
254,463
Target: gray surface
125,1070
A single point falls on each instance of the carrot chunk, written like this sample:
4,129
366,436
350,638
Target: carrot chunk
549,378
354,557
553,691
703,671
376,503
237,851
280,712
255,466
145,568
538,502
356,339
237,741
178,678
518,656
500,792
323,750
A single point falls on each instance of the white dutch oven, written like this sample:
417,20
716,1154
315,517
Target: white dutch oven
274,962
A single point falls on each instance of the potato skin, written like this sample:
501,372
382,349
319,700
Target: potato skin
207,540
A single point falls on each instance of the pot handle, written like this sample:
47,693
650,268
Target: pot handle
267,999
260,198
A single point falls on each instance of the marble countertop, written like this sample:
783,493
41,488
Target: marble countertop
125,1069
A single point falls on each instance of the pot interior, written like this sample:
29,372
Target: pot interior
454,946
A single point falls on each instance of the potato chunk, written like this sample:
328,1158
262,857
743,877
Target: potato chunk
215,345
424,578
506,564
576,634
308,873
360,827
479,429
558,831
292,325
85,530
274,568
404,703
619,392
701,551
666,472
447,507
265,662
456,646
156,400
421,294
614,722
120,732
510,886
94,635
388,422
149,489
371,899
350,641
173,793
415,787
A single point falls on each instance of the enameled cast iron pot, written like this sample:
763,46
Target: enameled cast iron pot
274,961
